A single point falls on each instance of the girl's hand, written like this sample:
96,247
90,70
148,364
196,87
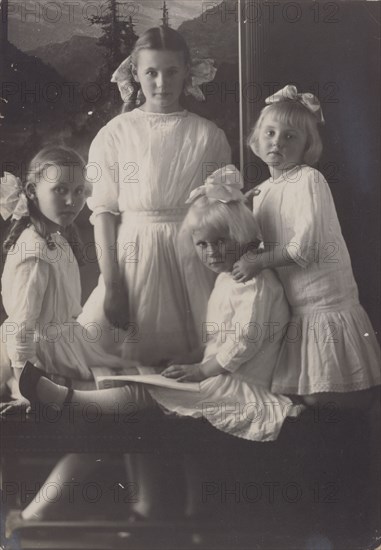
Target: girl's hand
243,270
185,373
15,406
116,306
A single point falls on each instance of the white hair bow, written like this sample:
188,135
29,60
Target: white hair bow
310,101
13,201
224,185
124,77
201,72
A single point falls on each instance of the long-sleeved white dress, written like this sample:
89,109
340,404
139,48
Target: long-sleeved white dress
143,167
243,331
330,344
41,292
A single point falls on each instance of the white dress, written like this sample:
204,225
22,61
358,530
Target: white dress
143,167
330,344
41,292
244,332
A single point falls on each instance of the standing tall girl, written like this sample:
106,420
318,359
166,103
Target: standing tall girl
143,165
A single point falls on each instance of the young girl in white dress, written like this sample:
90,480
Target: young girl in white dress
143,164
41,288
243,332
330,351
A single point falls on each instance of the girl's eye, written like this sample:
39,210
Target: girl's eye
202,244
151,73
270,132
289,136
61,190
80,191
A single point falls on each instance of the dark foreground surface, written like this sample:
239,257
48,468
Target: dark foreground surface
315,488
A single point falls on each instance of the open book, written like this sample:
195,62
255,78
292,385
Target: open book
112,381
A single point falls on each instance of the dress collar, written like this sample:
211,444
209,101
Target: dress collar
182,113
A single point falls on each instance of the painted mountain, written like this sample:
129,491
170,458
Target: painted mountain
36,24
34,97
214,33
77,60
209,35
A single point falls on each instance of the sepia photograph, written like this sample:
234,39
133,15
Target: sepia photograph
190,275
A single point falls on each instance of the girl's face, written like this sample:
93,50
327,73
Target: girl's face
280,146
215,249
161,74
60,194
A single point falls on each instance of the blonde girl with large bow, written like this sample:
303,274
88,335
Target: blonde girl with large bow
330,351
242,332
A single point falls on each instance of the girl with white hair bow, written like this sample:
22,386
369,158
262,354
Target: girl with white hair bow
242,333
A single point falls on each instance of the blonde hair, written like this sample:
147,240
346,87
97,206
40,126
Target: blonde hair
234,216
293,113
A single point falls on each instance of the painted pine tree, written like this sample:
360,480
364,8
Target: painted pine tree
118,35
165,18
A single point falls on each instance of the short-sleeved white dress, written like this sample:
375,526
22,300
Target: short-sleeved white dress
330,344
243,332
143,167
41,292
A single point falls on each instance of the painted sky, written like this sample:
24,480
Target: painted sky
37,23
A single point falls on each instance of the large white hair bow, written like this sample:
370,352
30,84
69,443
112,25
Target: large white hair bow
124,77
201,71
13,201
310,101
224,185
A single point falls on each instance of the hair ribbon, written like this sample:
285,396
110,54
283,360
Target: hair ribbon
308,100
124,78
224,185
13,201
201,71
